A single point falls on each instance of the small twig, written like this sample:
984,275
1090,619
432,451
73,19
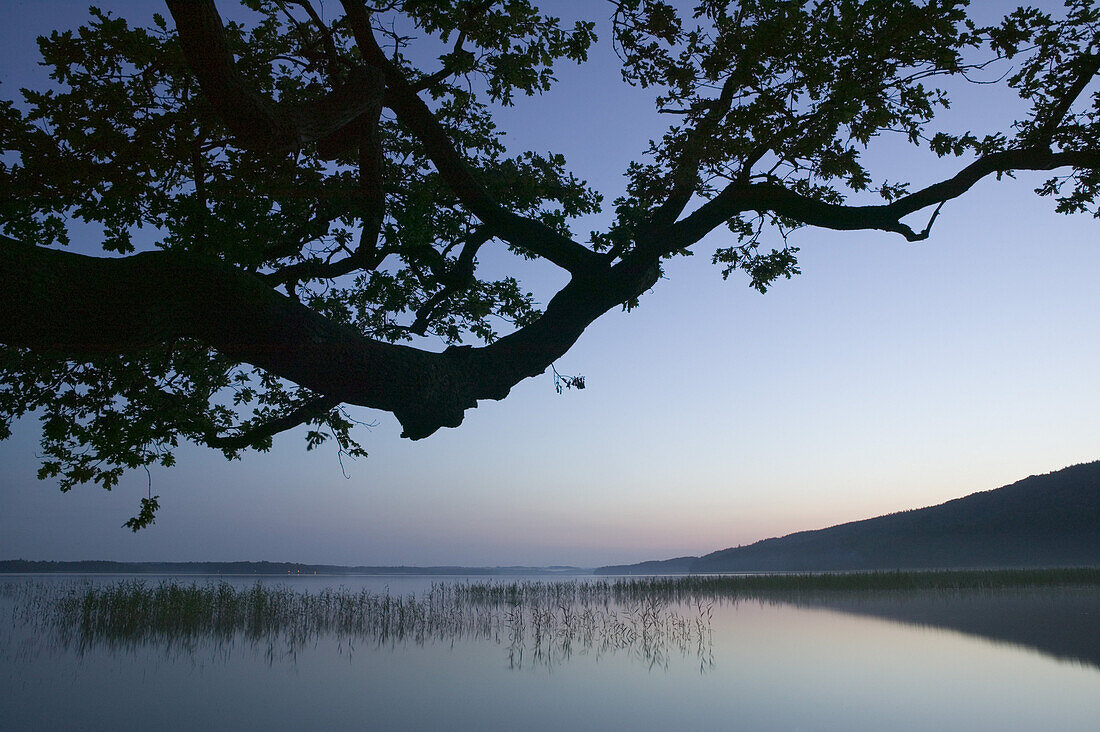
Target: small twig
561,383
935,214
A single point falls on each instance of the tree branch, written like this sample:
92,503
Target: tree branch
308,411
685,176
257,122
311,230
527,234
332,57
1046,125
459,278
78,307
432,79
315,269
773,198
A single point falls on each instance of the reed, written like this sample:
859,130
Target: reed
540,624
694,587
654,618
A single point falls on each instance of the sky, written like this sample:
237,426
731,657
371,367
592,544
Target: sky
887,376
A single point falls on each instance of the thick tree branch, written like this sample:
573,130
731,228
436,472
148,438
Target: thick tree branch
527,234
78,307
772,198
257,122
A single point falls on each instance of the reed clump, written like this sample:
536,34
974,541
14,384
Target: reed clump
539,623
654,618
696,587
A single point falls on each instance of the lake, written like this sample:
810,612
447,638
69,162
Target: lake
466,653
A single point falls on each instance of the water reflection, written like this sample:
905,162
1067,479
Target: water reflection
538,624
597,655
1063,623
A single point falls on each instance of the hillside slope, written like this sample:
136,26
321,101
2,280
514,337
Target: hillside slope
1043,520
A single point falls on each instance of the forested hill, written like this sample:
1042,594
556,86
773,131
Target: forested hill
1044,520
260,568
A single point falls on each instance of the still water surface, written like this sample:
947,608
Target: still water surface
970,660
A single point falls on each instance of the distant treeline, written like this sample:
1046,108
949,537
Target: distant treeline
1048,520
257,568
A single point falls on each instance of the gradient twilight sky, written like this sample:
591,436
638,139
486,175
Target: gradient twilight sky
887,376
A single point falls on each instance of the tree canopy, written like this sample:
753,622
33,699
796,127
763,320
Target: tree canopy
291,207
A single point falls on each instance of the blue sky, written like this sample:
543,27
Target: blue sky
887,376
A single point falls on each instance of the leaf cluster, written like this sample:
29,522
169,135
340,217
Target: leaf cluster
125,144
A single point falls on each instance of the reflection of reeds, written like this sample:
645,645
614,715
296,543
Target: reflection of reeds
541,624
652,618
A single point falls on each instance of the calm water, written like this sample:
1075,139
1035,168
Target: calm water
993,660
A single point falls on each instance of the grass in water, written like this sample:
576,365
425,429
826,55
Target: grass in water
654,618
692,587
539,624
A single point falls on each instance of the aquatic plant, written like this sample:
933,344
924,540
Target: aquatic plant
713,586
539,624
652,618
